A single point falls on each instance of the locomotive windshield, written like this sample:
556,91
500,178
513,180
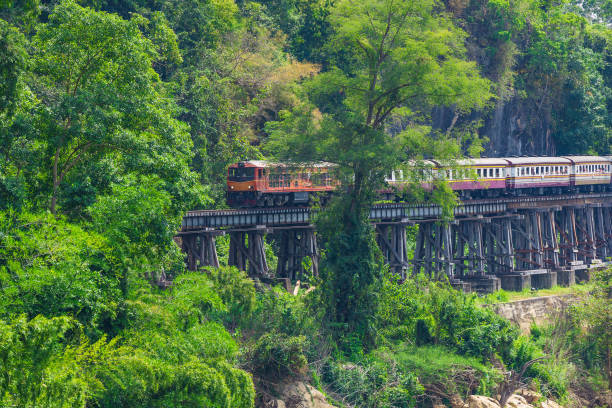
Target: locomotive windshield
241,173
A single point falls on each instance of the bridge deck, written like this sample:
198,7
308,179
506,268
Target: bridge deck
232,218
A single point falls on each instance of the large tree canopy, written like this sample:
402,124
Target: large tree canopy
395,61
100,95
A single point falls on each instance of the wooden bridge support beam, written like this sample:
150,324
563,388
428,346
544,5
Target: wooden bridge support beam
600,233
469,251
528,238
433,252
200,248
391,239
607,227
499,248
585,234
296,243
566,225
549,239
247,251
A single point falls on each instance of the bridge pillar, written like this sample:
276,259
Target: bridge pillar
470,247
567,232
200,248
391,239
600,233
549,239
607,218
296,243
499,248
247,251
433,252
585,234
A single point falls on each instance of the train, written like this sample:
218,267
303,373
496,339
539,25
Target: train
259,183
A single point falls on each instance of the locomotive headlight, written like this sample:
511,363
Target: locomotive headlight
231,187
250,187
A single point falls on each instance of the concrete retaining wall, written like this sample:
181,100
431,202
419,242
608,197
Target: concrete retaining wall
537,310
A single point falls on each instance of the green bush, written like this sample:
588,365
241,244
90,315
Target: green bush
53,268
375,381
237,291
440,367
277,356
414,308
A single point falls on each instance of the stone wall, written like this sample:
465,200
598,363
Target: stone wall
537,310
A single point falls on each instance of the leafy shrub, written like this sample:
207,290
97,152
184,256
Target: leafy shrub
441,371
376,381
451,317
276,355
45,363
236,290
277,310
53,268
174,354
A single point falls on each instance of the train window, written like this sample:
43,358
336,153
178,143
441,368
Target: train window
479,173
241,173
401,174
522,171
537,170
496,172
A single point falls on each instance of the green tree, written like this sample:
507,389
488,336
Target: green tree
39,360
52,268
16,153
395,61
100,96
139,223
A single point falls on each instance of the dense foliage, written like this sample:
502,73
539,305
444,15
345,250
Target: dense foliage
117,116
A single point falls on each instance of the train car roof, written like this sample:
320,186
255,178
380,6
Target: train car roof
484,161
266,164
522,161
587,159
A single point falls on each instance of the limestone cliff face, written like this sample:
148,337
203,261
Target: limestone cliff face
514,127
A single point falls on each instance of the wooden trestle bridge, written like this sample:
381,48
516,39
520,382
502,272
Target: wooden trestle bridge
513,243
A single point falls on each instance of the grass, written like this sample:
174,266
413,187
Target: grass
439,367
502,296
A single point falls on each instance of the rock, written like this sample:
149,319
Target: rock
439,406
529,395
479,401
301,395
517,401
550,404
456,401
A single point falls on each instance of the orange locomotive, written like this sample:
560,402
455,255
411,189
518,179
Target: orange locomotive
257,183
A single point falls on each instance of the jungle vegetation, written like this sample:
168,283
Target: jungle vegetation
118,116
